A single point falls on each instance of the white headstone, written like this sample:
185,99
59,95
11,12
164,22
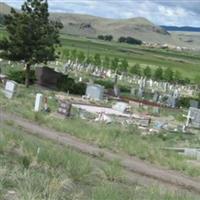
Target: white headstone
38,102
80,79
10,89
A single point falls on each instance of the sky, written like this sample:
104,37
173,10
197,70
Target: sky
160,12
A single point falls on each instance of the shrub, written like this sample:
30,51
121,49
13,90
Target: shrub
185,101
79,88
105,37
106,83
130,40
68,84
19,76
65,83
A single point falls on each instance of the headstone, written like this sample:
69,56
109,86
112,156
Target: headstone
80,79
64,108
95,91
47,77
172,101
193,118
156,97
150,83
38,102
10,89
140,92
116,91
120,106
194,104
3,79
133,91
144,122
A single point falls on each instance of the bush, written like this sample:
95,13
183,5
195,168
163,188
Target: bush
185,101
130,40
65,83
106,83
105,37
79,88
68,84
19,76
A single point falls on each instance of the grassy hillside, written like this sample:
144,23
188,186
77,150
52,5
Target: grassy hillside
139,28
32,168
4,8
92,26
127,139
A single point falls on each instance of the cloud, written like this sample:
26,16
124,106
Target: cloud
165,12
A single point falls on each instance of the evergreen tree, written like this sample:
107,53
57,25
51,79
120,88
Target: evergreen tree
123,65
97,60
147,72
73,54
135,70
158,74
106,62
32,36
115,64
168,75
81,56
177,76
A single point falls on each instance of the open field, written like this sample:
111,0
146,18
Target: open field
115,137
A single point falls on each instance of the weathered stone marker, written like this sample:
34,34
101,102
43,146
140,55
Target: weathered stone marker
10,89
64,108
38,102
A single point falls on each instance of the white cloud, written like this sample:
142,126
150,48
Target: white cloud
167,12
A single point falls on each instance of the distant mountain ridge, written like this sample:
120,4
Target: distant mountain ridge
182,28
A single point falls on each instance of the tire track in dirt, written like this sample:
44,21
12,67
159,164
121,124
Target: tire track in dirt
131,164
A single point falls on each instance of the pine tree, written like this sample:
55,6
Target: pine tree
147,72
168,75
106,62
123,65
158,74
97,60
32,36
135,70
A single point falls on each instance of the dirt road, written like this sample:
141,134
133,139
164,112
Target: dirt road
129,163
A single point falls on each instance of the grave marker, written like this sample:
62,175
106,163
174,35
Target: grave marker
10,89
38,102
64,108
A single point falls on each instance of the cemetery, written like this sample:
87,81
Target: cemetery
153,114
109,119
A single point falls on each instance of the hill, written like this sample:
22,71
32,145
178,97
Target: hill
4,9
183,28
139,28
91,26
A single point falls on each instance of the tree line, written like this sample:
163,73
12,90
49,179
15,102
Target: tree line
122,66
105,37
159,74
97,60
128,40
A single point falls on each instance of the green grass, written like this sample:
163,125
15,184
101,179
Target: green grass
33,168
188,63
114,136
